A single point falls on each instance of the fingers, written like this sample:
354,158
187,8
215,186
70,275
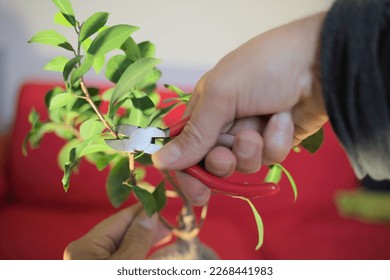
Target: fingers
103,239
195,191
138,238
221,161
128,234
278,138
247,148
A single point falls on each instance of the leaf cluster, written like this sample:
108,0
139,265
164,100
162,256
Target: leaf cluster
75,110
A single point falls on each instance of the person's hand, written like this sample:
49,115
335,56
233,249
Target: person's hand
128,234
267,93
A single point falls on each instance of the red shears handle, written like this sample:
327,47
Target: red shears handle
221,185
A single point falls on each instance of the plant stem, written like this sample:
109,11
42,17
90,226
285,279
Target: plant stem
165,222
93,105
203,215
132,168
174,185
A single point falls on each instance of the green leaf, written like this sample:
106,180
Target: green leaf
140,172
274,174
160,197
155,97
291,180
94,144
104,160
66,9
147,199
70,167
95,148
116,66
116,190
92,25
175,89
63,154
145,159
61,20
259,222
183,96
150,80
112,109
110,39
90,128
131,49
60,100
133,75
86,44
52,38
98,63
33,117
314,141
143,107
68,68
158,114
57,64
49,95
38,130
106,96
147,49
78,73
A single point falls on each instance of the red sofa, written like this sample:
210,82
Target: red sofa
37,219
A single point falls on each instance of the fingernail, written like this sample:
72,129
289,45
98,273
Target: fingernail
164,158
283,119
147,222
246,147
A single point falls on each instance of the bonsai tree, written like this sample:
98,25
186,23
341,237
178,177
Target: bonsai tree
85,117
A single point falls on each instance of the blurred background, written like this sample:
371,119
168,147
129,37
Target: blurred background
190,35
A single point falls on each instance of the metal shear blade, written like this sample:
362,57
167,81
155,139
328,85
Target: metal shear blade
139,139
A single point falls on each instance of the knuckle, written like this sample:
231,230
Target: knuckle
252,166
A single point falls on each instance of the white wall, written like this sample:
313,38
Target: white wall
190,35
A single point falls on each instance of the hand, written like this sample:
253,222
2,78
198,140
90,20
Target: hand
128,234
274,79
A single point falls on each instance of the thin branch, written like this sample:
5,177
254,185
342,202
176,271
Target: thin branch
166,223
132,168
203,215
93,105
174,184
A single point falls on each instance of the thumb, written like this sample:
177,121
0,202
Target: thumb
192,144
138,238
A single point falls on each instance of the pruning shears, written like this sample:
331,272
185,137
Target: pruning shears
138,139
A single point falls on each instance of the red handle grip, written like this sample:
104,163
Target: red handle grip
231,188
222,185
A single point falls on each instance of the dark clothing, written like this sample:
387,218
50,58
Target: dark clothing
374,185
355,62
